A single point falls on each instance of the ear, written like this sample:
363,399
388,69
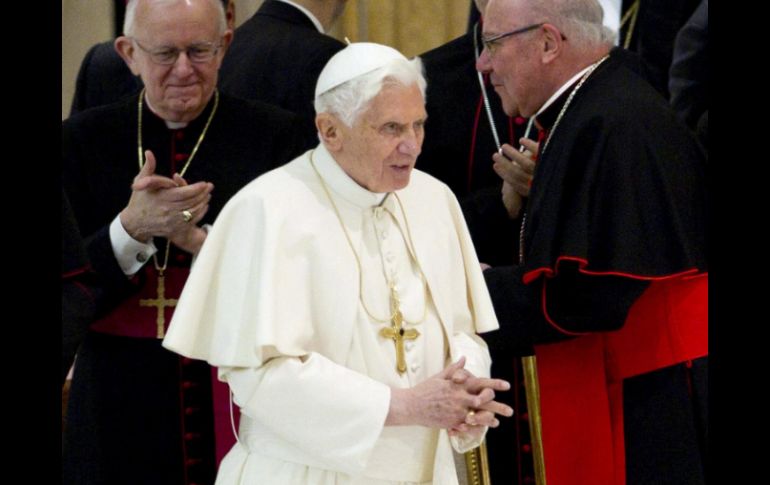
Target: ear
553,43
329,131
126,50
227,39
230,14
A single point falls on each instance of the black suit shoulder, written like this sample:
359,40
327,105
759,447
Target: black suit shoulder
272,124
103,78
455,52
276,57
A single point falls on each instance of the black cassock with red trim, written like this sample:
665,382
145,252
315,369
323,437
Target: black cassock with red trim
612,292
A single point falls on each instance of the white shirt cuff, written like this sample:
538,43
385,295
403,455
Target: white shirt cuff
130,253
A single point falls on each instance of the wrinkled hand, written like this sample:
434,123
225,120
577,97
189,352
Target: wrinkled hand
512,200
156,205
517,170
443,401
192,239
483,415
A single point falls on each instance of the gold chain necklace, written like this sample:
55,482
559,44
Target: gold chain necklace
629,18
394,332
548,139
161,302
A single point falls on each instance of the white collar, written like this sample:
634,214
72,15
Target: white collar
563,88
308,13
341,183
171,125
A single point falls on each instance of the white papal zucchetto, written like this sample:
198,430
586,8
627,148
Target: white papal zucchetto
354,60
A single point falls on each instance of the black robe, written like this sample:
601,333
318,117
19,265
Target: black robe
137,412
618,203
459,145
79,289
276,57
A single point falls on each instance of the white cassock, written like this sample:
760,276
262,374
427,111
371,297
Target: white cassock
274,301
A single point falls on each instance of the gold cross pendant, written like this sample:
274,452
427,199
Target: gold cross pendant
397,333
160,303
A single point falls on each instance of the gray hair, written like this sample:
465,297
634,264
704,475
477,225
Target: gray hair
579,20
348,100
130,17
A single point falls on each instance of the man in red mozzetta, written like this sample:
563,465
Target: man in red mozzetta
610,290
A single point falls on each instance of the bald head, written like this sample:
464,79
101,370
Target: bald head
579,20
537,46
141,8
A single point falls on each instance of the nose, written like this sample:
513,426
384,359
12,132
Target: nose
411,144
409,147
183,65
484,62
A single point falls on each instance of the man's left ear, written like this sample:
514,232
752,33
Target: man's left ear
126,50
328,131
227,39
554,43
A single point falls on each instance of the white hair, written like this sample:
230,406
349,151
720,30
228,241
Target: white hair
348,100
130,17
579,20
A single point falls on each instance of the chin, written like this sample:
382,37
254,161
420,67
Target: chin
398,184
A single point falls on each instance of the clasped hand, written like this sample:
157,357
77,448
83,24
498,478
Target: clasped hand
517,170
156,205
446,399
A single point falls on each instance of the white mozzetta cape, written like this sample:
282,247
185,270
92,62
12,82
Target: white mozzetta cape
275,292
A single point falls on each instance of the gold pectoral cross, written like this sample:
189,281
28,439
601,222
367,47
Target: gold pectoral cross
396,332
161,303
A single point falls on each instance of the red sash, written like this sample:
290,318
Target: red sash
581,379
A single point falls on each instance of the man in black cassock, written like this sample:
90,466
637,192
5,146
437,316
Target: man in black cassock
138,413
610,291
279,52
104,78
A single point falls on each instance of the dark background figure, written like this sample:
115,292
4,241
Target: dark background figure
614,254
104,78
79,291
137,412
279,52
652,32
689,75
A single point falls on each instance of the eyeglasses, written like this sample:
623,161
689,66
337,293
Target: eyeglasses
166,56
492,43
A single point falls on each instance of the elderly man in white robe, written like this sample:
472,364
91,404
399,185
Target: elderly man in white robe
340,297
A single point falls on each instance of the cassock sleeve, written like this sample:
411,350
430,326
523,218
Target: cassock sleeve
551,309
96,235
332,415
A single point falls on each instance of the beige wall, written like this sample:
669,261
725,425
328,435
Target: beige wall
411,26
83,23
